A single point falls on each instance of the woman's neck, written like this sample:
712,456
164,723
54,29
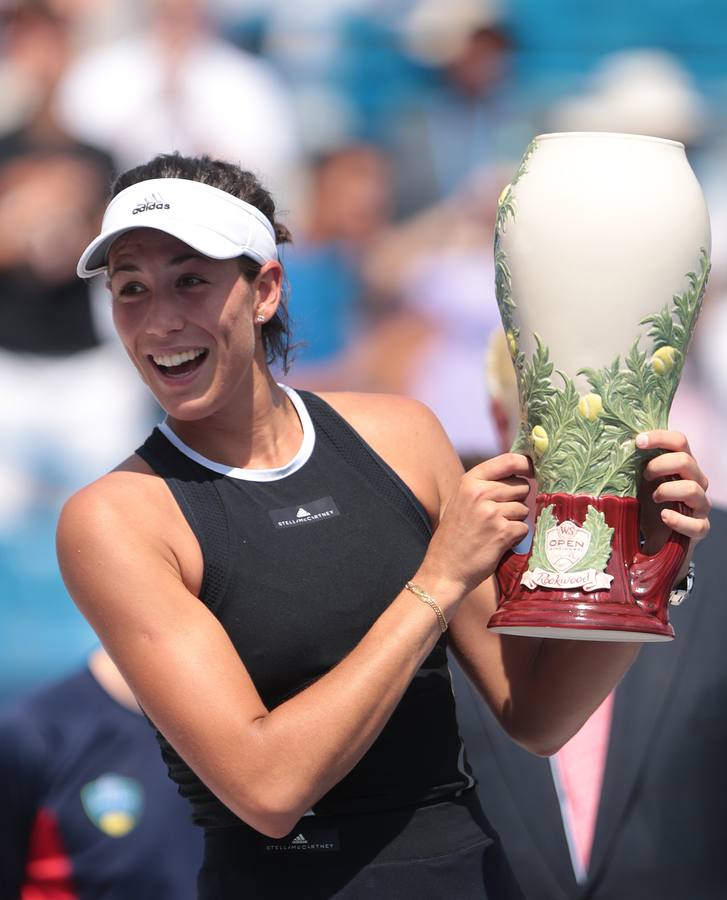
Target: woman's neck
265,432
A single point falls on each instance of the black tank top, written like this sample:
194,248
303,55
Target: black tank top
299,562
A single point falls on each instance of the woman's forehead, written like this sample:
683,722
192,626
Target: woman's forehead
147,243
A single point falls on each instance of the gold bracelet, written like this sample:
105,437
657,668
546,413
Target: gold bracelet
429,600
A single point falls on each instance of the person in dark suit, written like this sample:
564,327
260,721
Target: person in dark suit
661,818
661,823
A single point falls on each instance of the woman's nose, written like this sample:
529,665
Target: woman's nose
163,314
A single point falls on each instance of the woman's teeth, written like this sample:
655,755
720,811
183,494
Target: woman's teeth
176,359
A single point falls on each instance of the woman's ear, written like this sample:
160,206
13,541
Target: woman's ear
268,290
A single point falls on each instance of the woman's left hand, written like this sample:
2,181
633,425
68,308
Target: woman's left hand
672,477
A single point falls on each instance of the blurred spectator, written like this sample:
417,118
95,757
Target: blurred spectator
439,272
348,205
56,368
344,64
51,189
304,41
452,292
88,809
639,90
176,85
711,337
696,412
646,821
53,364
462,121
713,344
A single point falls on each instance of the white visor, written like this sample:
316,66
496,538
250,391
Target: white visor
209,220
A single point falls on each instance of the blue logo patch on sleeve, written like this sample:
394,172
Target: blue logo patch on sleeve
113,803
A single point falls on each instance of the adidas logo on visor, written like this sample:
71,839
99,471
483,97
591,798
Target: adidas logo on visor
156,202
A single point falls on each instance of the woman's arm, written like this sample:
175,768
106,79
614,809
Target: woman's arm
122,563
542,691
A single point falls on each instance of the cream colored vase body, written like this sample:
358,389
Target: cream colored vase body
602,255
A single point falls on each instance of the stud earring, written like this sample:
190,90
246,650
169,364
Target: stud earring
260,318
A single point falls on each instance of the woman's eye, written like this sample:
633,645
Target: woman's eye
190,280
130,289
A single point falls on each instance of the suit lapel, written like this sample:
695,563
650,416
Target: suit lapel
639,704
522,786
529,780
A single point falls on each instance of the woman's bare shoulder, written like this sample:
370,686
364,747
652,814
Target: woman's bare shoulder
130,504
408,436
381,413
130,510
126,486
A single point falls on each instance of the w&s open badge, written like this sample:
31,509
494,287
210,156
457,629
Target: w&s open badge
113,803
570,556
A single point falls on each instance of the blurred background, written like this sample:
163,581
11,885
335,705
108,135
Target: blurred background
386,131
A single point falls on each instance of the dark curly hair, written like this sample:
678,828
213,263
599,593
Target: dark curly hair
245,186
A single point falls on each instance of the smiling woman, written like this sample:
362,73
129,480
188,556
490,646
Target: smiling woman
182,255
187,321
276,575
212,206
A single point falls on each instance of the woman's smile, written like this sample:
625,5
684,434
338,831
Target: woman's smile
176,364
186,321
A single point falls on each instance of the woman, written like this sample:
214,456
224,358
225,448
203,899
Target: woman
263,572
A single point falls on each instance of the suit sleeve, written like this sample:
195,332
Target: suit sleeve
24,767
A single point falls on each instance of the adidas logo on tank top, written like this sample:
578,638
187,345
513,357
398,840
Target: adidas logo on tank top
305,514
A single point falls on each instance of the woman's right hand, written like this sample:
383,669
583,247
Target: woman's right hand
484,517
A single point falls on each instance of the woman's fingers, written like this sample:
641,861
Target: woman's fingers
484,517
685,491
676,460
503,491
693,527
503,467
662,439
513,511
676,478
502,478
677,464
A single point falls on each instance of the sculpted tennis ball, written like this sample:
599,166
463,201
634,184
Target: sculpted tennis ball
590,406
663,359
539,439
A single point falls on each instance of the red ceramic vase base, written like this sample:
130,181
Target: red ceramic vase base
633,609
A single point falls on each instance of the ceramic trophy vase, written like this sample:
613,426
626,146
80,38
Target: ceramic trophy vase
602,248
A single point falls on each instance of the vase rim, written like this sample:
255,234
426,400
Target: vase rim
608,134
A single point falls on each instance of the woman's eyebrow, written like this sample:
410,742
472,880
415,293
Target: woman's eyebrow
174,261
183,257
124,267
